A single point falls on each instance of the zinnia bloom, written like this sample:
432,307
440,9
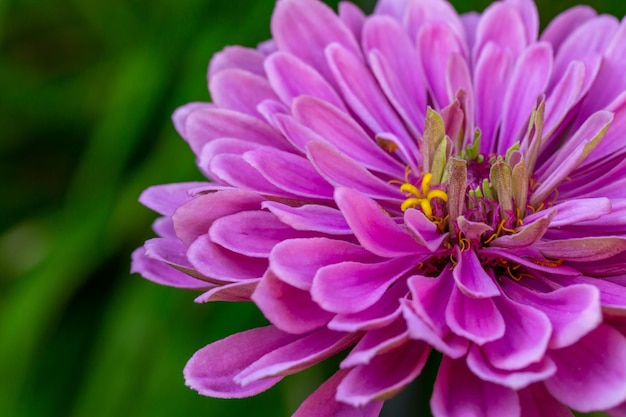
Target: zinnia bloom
412,180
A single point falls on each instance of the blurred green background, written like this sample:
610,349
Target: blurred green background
86,93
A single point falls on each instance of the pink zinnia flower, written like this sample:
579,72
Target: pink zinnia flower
409,181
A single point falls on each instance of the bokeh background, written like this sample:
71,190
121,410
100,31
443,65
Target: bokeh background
86,92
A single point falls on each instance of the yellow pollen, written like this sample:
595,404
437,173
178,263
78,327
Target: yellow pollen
423,197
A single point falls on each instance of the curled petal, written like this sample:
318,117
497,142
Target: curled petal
216,378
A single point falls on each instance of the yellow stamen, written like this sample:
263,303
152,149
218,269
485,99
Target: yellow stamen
426,182
422,199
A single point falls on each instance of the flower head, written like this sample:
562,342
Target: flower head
408,181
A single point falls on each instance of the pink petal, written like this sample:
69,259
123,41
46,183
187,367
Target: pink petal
385,375
503,25
295,29
237,292
436,42
458,392
251,233
476,319
165,199
525,339
194,218
237,57
583,249
376,342
362,93
529,79
240,90
206,124
295,356
350,287
516,379
342,131
290,172
491,78
561,26
322,402
180,115
216,262
162,273
312,217
423,230
296,261
379,315
573,311
471,278
352,17
215,377
536,401
341,170
290,77
591,373
394,61
288,308
376,230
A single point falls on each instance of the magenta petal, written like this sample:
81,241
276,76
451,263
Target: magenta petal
529,79
216,262
162,273
288,308
296,261
394,66
343,171
240,90
379,315
295,356
591,374
237,57
516,379
471,278
290,172
362,92
296,29
235,292
206,124
619,411
536,401
216,378
491,77
423,230
573,311
561,26
352,17
575,211
501,24
385,375
322,402
350,287
291,78
525,339
343,132
458,391
251,233
312,217
449,344
476,319
180,115
365,216
165,199
194,218
436,42
376,342
526,235
582,249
